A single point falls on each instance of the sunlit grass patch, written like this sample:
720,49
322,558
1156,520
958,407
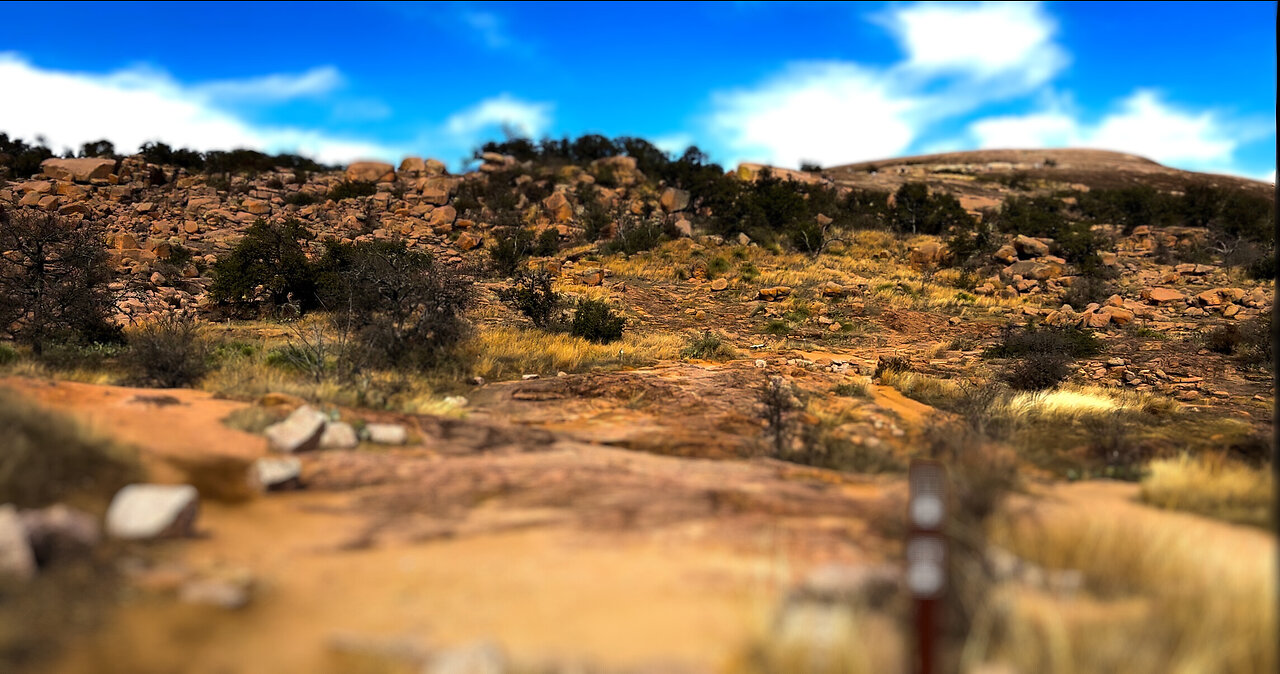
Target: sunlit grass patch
507,352
1211,485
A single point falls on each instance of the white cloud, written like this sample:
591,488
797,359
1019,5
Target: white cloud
958,57
673,143
830,113
525,118
273,88
134,106
489,27
1142,124
981,41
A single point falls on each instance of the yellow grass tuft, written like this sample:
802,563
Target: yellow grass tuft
508,352
1211,485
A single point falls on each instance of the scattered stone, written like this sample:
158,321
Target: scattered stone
60,529
79,170
1028,247
17,560
338,435
229,590
1163,296
299,432
719,284
673,200
386,434
277,473
150,511
774,293
371,172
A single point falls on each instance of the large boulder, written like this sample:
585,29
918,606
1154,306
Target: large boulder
674,199
1163,296
929,253
338,435
276,473
1034,269
436,190
151,511
299,432
371,172
79,170
411,167
17,561
1029,247
774,293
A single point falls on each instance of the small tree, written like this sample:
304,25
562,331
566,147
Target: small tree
54,279
595,321
533,296
268,267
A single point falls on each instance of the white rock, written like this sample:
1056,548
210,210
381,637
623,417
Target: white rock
146,511
228,591
16,558
386,434
270,473
338,435
299,432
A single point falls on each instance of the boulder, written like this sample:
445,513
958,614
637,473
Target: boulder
277,473
1006,254
833,289
299,432
467,241
338,435
673,200
435,167
928,253
387,434
17,561
444,215
60,528
436,190
1029,247
411,167
371,172
593,277
151,511
1034,269
774,293
1163,296
79,170
684,227
719,284
558,207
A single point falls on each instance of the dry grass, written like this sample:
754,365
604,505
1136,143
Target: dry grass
1157,598
508,352
1076,403
1211,485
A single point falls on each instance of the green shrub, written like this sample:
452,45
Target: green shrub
54,280
887,364
20,160
351,190
708,346
596,321
1249,341
168,353
547,243
267,268
532,295
1072,342
636,234
8,355
1086,290
404,309
513,244
1036,371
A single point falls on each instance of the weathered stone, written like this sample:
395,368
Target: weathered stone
80,170
299,432
370,172
386,434
17,560
558,206
774,293
338,435
719,284
275,473
593,277
833,289
256,206
1029,247
929,253
1006,254
1034,269
60,528
673,200
444,215
150,511
1163,296
411,167
684,227
467,241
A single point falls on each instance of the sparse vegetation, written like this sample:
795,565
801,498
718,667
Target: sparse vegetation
168,353
708,346
596,321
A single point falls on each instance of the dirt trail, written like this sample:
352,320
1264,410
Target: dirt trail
560,550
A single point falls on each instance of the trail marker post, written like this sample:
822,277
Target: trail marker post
926,554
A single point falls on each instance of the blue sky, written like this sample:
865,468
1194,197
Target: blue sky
1192,85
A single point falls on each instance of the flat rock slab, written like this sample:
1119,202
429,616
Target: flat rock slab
338,435
299,432
274,474
17,561
149,511
387,434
